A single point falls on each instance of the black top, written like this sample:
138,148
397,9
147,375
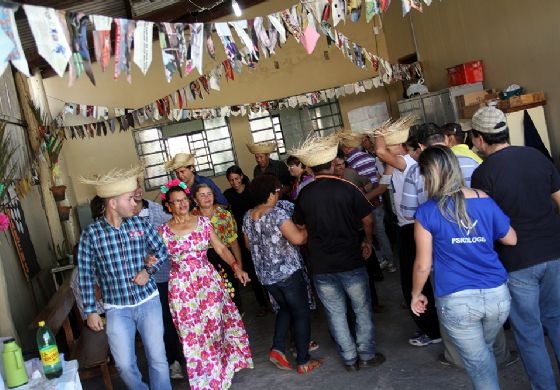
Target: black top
521,180
332,209
278,169
240,203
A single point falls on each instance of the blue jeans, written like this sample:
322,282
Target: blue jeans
121,330
291,296
472,318
332,290
535,294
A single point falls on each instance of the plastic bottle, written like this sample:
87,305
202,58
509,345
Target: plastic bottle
52,366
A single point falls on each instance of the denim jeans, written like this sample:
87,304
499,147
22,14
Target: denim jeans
473,318
381,235
333,289
535,294
291,296
121,330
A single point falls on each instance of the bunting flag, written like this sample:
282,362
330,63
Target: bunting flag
310,35
210,48
252,51
143,45
173,50
124,33
49,35
102,40
338,9
196,45
172,106
10,44
80,50
276,23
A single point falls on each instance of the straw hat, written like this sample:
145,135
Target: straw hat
180,160
316,150
115,182
349,139
262,147
396,133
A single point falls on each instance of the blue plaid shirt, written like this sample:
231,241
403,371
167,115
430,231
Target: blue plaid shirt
116,256
154,214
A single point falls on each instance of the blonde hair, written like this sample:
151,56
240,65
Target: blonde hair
443,182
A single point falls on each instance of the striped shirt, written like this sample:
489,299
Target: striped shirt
468,161
364,164
413,192
153,213
116,256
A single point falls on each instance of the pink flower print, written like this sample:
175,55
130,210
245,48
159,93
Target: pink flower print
4,222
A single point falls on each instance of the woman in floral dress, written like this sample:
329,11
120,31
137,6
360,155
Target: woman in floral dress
214,340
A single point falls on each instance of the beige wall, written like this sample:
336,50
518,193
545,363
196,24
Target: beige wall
298,73
518,42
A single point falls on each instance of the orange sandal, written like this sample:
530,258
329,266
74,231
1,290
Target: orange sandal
279,360
309,366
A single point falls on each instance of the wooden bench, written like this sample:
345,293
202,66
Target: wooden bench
91,349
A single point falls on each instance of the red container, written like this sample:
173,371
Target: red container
467,73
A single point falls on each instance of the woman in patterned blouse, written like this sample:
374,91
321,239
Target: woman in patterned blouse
226,229
272,238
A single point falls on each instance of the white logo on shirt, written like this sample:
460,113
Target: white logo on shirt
468,240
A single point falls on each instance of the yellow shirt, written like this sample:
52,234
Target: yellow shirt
463,150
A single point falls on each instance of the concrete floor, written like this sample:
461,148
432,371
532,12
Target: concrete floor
407,367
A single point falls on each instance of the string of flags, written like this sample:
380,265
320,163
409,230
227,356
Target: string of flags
167,108
61,38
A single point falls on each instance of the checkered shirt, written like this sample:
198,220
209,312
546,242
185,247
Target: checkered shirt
116,256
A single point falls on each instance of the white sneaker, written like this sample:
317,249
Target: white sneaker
176,370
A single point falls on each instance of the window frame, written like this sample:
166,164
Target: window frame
165,149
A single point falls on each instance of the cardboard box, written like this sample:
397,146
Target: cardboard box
529,98
467,112
477,97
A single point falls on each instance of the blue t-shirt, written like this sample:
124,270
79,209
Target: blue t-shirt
465,259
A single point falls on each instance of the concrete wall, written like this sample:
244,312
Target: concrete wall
518,42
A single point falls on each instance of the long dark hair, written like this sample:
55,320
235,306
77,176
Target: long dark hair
235,169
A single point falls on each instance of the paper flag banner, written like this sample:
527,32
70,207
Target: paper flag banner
102,40
292,23
143,45
317,7
124,34
49,36
338,11
197,45
210,48
9,40
276,21
80,50
170,50
354,9
310,35
262,36
239,27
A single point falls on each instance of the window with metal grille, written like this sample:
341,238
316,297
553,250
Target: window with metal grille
267,127
209,140
324,118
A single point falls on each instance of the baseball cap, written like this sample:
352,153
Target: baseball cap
489,120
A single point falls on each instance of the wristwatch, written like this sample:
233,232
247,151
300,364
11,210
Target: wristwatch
150,270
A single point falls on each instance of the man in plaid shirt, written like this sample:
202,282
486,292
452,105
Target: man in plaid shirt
114,249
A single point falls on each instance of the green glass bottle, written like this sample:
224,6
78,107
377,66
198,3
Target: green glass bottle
52,366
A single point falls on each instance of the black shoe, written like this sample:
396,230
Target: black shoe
377,360
352,367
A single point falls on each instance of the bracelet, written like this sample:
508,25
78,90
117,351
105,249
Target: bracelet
234,265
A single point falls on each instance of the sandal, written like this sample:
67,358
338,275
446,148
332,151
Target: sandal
309,366
279,360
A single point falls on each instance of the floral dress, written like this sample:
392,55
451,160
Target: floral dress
209,326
